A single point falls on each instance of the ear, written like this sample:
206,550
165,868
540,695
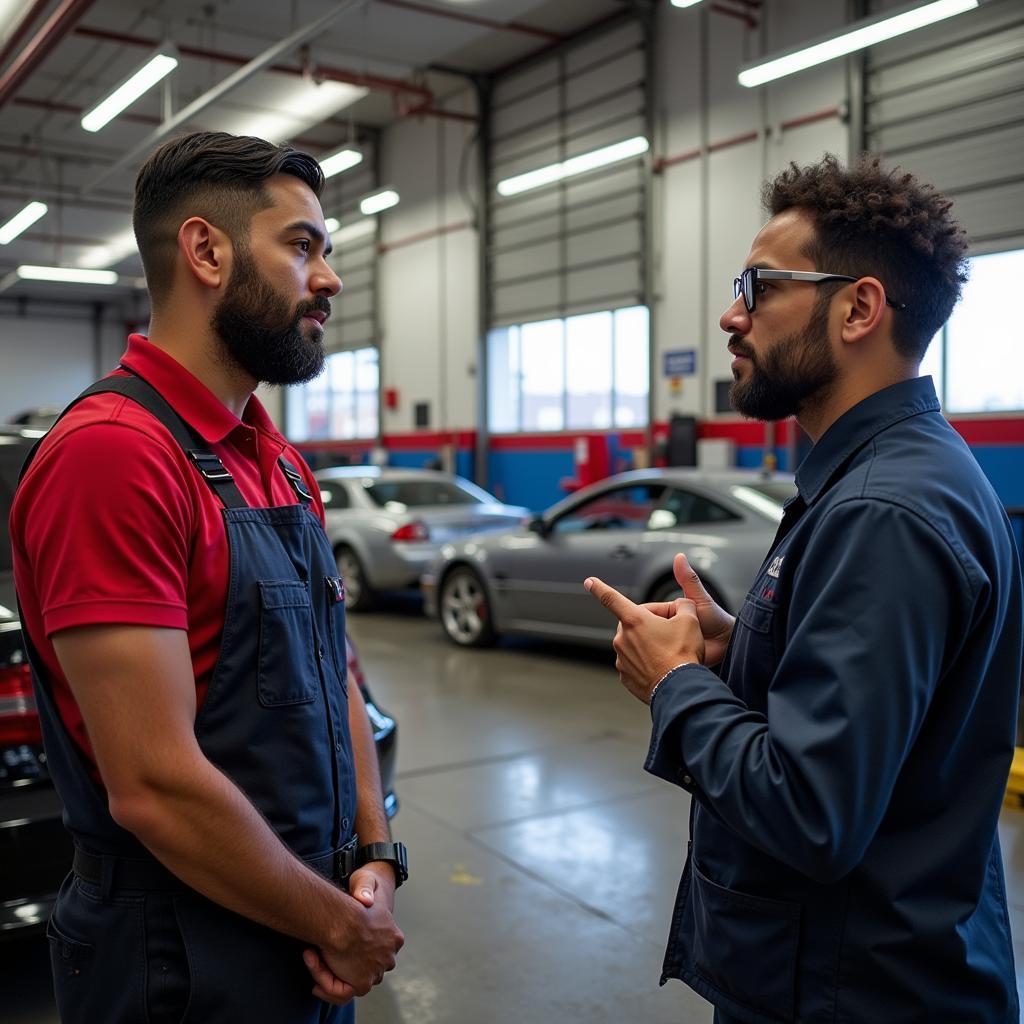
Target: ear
206,252
864,311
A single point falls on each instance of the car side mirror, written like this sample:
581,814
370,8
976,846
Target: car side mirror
538,526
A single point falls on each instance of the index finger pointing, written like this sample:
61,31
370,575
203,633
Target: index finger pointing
618,604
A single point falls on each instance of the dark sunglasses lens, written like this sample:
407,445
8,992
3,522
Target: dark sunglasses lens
748,290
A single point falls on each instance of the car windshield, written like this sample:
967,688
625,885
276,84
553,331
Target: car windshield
765,496
417,493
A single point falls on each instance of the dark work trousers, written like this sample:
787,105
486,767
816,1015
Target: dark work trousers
129,943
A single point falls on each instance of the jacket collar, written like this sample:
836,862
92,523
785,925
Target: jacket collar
857,426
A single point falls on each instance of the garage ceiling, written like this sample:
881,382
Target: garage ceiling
351,66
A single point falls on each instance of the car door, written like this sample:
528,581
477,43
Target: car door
541,578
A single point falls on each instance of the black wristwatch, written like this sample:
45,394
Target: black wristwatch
394,853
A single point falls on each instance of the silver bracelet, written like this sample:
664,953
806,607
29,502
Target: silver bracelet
682,664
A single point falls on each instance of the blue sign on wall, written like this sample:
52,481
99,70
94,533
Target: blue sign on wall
682,362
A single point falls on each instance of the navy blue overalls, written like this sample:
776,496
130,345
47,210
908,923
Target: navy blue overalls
130,944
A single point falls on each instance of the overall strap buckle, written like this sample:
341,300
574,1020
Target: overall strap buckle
209,465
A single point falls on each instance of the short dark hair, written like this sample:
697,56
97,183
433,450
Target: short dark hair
213,175
885,223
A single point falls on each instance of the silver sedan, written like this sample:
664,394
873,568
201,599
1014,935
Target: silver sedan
386,524
626,530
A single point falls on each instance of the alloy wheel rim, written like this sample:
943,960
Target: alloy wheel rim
463,608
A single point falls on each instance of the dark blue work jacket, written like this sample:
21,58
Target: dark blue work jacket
848,761
129,942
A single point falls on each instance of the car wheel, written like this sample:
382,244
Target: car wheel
359,595
465,610
668,590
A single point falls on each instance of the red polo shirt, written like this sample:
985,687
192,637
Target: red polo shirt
113,524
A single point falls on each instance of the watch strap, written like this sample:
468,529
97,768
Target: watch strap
394,854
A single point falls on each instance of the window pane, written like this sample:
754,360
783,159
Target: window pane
626,508
417,493
366,423
632,366
588,342
503,382
985,349
931,365
543,376
367,370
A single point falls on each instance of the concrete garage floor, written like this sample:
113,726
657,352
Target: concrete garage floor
544,859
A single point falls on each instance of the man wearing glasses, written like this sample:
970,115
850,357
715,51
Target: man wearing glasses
846,739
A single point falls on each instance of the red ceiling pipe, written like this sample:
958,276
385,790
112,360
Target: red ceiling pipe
378,82
475,19
745,16
22,30
60,23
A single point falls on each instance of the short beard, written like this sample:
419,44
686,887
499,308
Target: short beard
795,373
260,334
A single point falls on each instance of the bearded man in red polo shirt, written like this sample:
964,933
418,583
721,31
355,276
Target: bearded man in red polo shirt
186,627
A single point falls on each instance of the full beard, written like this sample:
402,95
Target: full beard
261,334
795,373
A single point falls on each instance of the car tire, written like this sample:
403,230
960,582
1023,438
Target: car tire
359,595
465,609
668,590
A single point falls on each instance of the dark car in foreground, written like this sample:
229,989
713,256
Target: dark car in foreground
35,849
626,530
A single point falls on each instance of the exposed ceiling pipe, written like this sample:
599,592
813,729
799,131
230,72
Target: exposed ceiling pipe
59,24
220,90
475,19
21,29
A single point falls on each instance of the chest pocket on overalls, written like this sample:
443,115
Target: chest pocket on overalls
287,671
753,651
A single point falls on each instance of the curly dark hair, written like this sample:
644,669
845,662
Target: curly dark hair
214,175
883,223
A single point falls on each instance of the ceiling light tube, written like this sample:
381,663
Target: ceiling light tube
575,165
685,3
161,64
858,36
379,201
351,232
67,275
343,160
20,221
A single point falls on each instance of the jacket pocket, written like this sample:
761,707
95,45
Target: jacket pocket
745,946
287,671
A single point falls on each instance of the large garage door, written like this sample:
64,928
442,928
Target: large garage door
353,322
947,103
578,244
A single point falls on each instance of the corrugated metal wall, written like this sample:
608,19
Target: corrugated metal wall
948,104
354,317
576,245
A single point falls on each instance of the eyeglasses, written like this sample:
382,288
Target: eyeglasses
746,283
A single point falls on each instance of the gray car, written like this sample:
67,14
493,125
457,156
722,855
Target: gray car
626,530
387,524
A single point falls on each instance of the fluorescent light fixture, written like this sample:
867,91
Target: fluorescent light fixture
20,221
351,232
332,224
685,3
575,165
158,67
379,201
113,251
68,275
343,160
267,108
858,36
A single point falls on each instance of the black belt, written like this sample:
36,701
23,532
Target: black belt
148,873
